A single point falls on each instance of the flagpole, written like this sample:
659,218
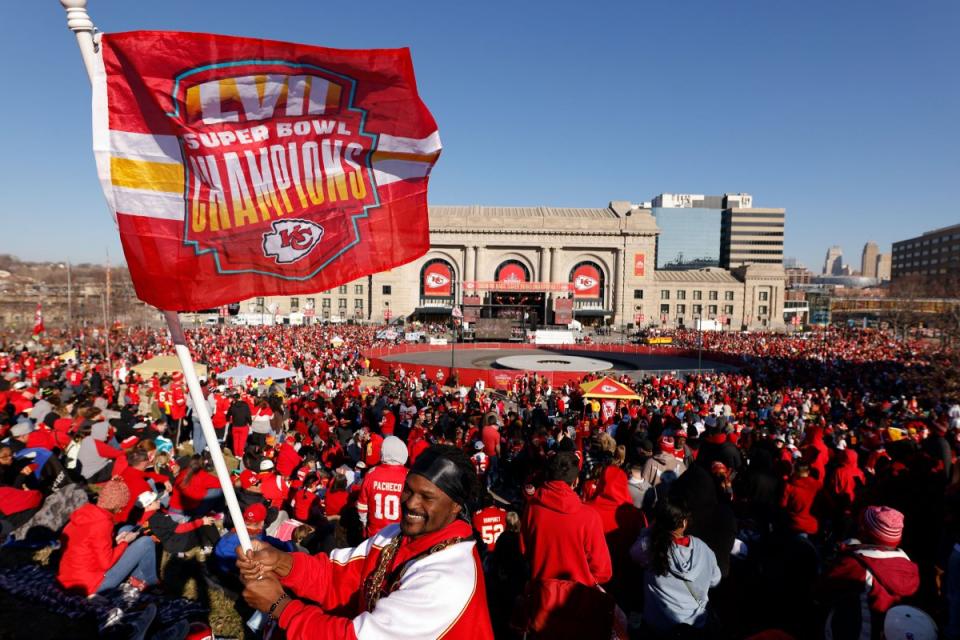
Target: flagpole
209,433
79,22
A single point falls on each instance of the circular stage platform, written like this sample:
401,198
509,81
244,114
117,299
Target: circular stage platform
477,357
552,362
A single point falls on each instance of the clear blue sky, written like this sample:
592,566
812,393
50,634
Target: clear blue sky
845,113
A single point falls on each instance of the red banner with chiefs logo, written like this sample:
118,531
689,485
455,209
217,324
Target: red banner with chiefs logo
586,281
639,264
608,409
239,167
438,280
511,272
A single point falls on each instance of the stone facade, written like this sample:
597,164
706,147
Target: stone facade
549,243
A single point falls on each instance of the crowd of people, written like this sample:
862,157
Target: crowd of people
813,493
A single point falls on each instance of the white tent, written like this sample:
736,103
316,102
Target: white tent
242,372
276,373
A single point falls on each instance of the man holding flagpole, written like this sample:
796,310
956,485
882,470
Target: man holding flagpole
420,579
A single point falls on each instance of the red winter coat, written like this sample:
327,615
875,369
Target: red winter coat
868,578
372,452
622,522
815,453
88,550
13,500
178,403
563,538
416,448
798,498
287,459
893,575
846,479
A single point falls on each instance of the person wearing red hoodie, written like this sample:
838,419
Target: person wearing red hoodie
847,482
798,497
563,541
869,577
94,560
815,452
288,457
622,523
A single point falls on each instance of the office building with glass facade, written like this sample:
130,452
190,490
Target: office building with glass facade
689,238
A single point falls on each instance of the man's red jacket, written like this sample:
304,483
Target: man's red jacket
438,595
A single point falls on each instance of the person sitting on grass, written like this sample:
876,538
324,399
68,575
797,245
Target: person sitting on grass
178,538
94,559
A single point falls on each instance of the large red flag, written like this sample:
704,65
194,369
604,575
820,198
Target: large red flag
38,320
239,167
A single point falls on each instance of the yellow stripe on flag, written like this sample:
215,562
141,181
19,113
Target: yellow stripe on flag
140,174
380,156
333,98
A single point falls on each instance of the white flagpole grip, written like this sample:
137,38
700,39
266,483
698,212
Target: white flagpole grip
80,23
203,412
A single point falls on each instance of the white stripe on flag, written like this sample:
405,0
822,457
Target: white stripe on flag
149,204
387,171
417,146
144,146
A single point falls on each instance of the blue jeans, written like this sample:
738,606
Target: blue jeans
199,440
212,501
138,560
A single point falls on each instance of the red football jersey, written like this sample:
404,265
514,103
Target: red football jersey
490,522
380,496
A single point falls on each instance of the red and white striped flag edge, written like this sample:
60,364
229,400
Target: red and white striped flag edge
237,167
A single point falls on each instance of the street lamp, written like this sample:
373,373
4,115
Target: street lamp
699,343
453,327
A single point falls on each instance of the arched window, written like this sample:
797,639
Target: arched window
436,280
513,271
588,281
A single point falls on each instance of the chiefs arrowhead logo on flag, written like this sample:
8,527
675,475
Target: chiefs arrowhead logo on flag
239,168
291,240
608,388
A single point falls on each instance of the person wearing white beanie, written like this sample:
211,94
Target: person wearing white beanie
379,501
393,451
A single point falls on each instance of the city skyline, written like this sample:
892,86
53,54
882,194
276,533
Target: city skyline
813,129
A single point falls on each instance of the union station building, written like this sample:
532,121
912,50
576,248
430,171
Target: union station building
545,266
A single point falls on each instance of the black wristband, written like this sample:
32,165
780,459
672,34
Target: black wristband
276,604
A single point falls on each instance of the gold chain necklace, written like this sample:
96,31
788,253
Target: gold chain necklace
379,584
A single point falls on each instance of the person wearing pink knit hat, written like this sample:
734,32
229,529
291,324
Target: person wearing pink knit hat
882,526
871,574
